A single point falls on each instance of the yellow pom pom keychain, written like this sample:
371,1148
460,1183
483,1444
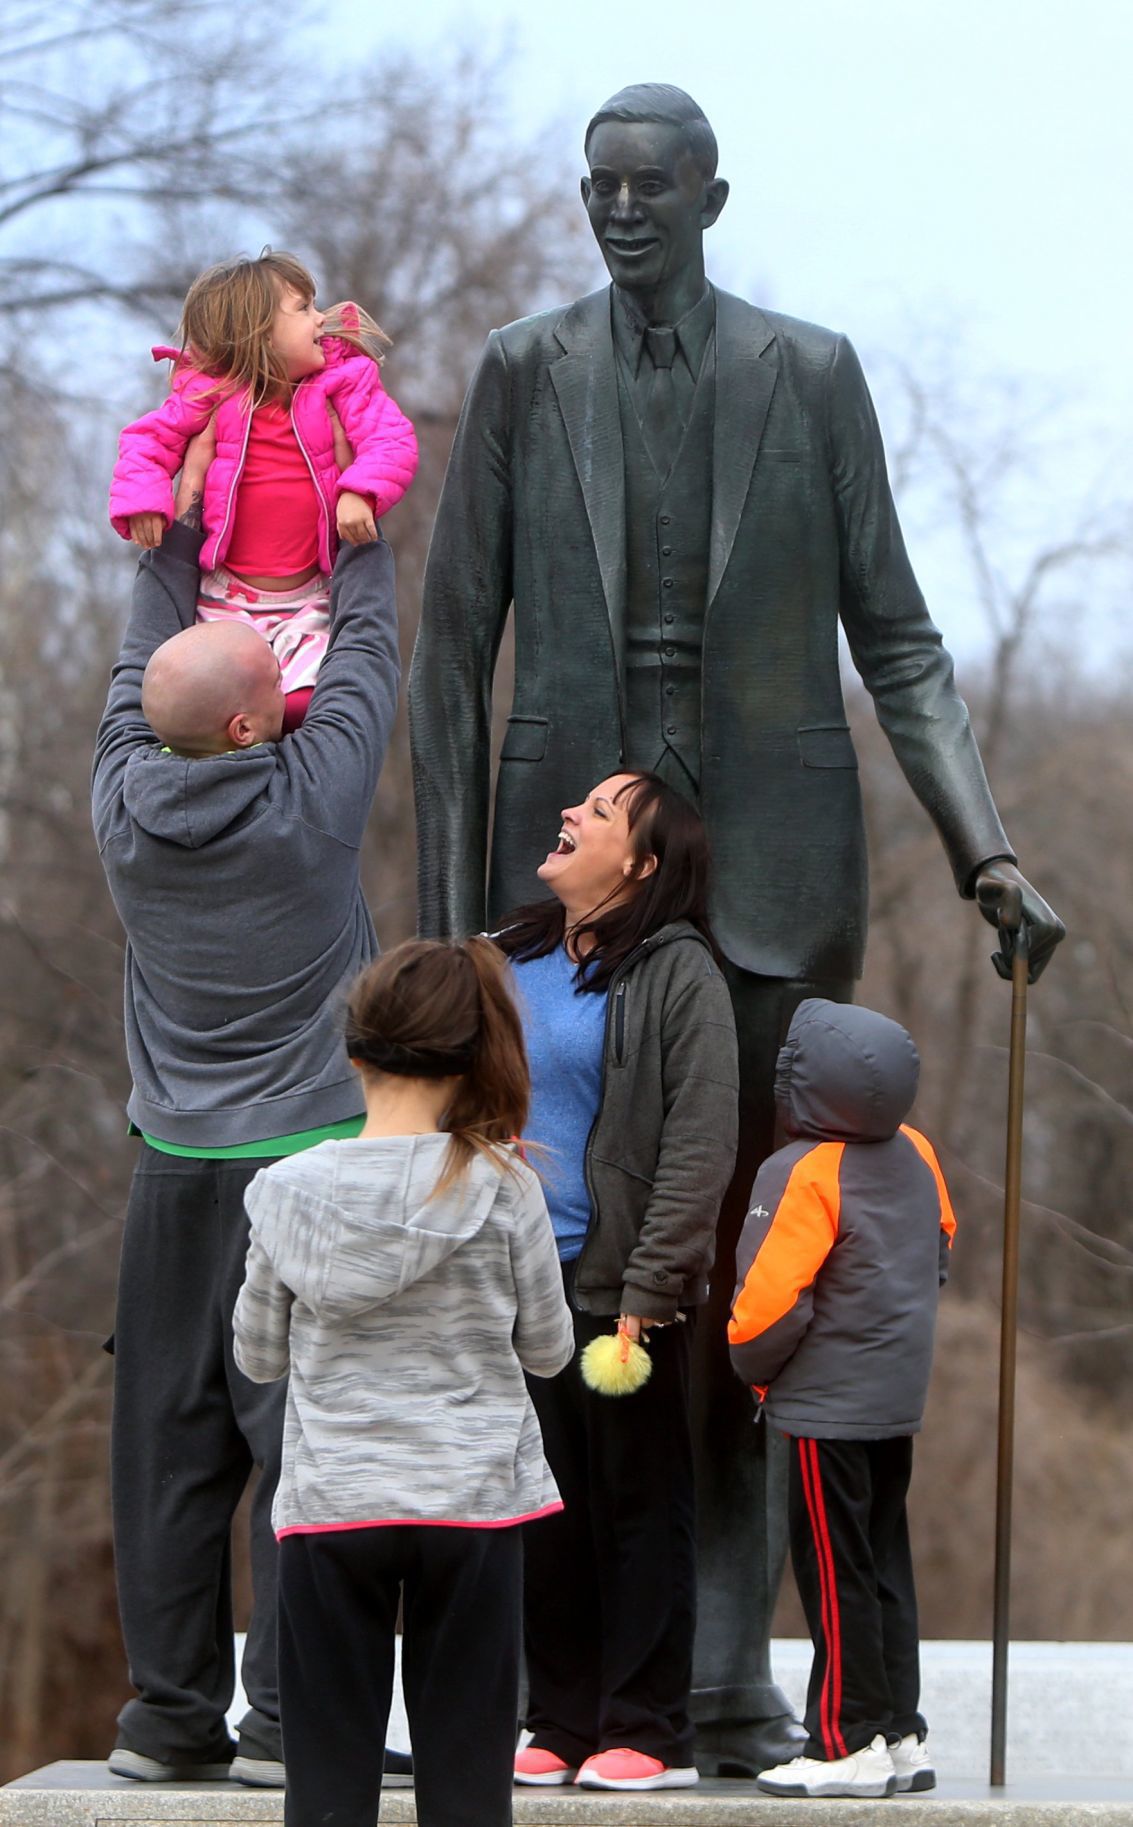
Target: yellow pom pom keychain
615,1364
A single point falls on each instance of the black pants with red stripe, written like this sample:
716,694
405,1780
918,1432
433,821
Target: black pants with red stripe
850,1552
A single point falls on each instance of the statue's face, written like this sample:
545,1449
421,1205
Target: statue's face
647,200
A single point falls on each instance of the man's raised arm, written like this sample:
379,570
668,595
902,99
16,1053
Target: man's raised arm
164,601
336,755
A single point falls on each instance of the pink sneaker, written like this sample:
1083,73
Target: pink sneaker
533,1765
626,1769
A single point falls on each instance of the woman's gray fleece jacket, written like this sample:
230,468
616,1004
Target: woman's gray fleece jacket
406,1322
663,1146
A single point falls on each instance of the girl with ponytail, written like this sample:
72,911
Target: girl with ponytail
407,1279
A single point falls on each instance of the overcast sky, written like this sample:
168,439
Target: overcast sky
952,174
887,157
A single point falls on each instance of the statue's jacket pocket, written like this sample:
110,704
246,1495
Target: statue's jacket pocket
826,745
525,739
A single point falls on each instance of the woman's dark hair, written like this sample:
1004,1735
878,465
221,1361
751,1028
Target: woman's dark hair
430,1009
663,825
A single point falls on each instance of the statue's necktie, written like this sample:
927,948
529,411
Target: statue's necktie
661,424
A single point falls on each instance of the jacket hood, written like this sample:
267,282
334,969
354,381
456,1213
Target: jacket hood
676,930
189,802
378,1231
845,1073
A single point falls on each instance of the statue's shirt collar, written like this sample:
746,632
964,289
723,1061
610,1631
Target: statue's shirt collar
694,331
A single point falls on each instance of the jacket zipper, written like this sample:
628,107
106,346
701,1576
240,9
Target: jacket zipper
620,1021
324,517
586,1174
615,1020
232,491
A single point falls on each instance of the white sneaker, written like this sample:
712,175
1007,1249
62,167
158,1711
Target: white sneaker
913,1765
869,1771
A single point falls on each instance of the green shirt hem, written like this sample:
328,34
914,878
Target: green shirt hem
272,1148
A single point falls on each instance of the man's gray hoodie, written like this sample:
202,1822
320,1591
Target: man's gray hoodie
236,877
406,1321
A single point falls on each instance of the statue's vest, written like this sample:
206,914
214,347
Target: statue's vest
668,526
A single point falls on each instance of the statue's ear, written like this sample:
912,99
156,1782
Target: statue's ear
585,189
715,197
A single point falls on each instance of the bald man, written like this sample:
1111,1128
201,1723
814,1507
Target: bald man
232,857
212,689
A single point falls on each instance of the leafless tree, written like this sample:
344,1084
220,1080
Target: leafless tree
112,110
1053,734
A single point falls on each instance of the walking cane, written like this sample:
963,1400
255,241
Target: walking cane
1007,1334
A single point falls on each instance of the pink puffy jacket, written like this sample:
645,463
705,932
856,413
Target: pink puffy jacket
150,451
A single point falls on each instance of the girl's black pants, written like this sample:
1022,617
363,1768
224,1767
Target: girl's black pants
338,1600
610,1582
850,1552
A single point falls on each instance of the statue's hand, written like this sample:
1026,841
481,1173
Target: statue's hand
1006,899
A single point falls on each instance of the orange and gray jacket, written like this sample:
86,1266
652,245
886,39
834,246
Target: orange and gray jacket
847,1238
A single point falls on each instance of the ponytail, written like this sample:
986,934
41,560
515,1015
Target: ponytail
431,1009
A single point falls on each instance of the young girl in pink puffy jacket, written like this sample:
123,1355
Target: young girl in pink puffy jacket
309,450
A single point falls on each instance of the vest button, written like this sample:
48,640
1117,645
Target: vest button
669,690
670,618
666,551
668,582
671,729
669,652
665,519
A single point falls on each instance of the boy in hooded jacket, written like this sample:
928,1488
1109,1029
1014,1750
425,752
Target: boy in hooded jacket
839,1266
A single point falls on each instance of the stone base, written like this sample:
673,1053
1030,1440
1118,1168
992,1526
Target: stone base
85,1795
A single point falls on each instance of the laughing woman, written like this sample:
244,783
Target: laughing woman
632,1049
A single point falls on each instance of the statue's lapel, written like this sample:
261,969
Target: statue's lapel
746,370
587,389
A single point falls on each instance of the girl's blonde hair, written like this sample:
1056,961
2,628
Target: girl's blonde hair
436,1009
227,319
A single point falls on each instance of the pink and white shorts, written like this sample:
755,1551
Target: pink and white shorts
294,623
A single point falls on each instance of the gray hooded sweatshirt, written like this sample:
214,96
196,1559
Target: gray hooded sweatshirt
406,1322
236,877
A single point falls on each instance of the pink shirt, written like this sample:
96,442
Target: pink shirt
275,516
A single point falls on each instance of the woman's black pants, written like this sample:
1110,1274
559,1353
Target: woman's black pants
610,1584
338,1598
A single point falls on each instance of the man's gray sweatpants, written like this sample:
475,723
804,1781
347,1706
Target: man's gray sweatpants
187,1429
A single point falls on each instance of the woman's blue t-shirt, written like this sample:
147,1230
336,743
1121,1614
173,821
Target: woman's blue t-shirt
564,1031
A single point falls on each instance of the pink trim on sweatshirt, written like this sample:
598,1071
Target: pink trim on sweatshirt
415,1522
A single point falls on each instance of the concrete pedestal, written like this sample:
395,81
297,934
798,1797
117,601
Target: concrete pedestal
1065,1770
84,1795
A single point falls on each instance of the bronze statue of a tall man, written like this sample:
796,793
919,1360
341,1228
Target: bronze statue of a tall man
683,496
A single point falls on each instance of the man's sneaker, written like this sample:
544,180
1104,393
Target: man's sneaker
258,1762
257,1771
142,1769
913,1764
626,1769
534,1765
869,1771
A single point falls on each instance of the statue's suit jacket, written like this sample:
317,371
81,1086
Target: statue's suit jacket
804,533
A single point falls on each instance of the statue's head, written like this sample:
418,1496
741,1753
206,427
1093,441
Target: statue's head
652,189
